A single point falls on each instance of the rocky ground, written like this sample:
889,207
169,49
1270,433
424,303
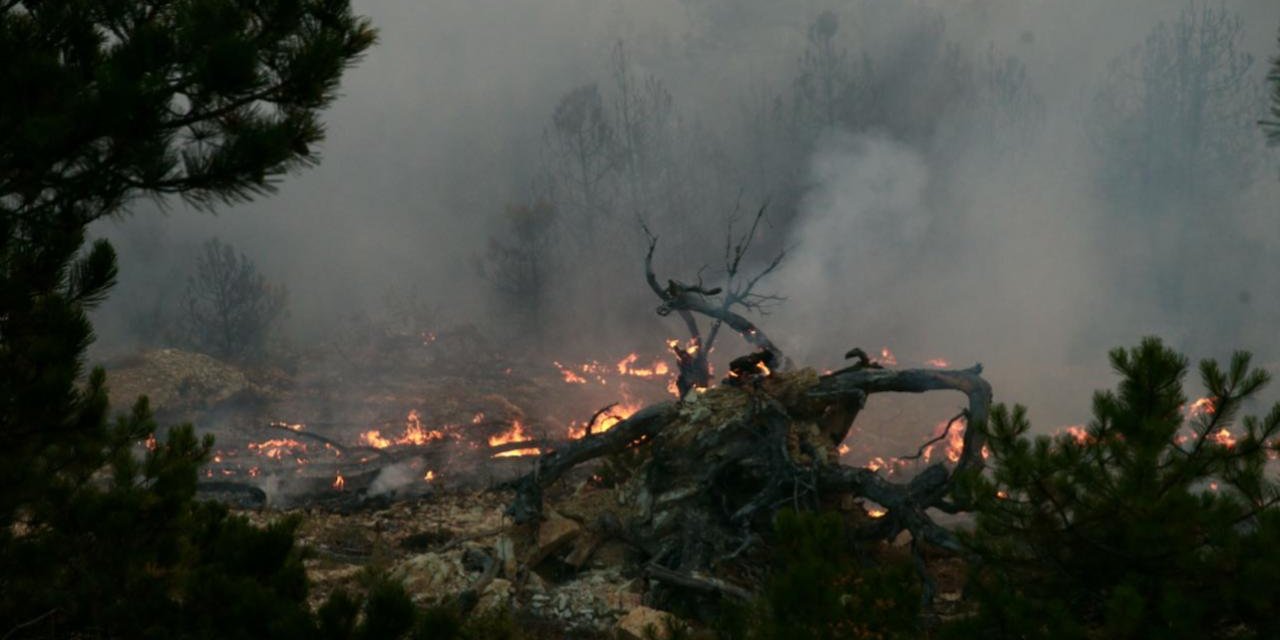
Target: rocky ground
447,534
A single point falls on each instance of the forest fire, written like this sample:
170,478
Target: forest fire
278,448
414,434
515,434
603,421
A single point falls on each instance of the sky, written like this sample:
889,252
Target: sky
970,242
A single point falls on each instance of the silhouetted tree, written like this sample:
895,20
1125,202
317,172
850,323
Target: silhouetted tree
583,159
229,308
1272,127
520,262
105,102
1174,119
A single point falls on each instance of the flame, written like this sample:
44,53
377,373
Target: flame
1224,437
1002,495
374,438
843,449
150,443
626,368
414,434
887,357
339,482
569,376
477,418
604,422
430,477
1079,434
292,426
938,363
877,512
955,439
275,448
1200,408
764,369
515,434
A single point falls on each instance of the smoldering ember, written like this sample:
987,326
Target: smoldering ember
748,320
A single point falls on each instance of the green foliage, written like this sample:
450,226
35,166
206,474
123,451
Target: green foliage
208,99
229,308
1145,524
105,102
821,589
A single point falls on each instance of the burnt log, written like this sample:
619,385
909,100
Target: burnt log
720,464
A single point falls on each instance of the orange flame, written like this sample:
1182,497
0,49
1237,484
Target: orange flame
278,448
1202,407
604,422
515,434
887,357
1224,437
339,482
430,477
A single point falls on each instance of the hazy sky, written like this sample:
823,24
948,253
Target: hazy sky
1006,260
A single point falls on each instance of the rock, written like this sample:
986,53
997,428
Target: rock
554,534
505,550
635,624
430,575
496,596
535,584
583,547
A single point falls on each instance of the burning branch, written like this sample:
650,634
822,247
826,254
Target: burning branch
737,293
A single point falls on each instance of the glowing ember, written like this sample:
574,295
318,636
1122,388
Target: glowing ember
877,512
887,357
339,482
1002,495
292,426
764,370
938,363
569,376
955,438
430,477
1079,434
1224,438
150,442
1200,408
277,448
843,449
477,418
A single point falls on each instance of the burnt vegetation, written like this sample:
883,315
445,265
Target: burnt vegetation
726,510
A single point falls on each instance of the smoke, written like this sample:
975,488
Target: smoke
960,213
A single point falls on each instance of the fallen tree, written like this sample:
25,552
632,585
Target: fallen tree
718,466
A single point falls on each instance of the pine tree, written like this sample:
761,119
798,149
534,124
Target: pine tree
104,102
1147,523
1272,126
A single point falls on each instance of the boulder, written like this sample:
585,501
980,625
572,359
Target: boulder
637,623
